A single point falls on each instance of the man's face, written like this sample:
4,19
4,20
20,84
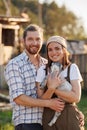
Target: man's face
33,42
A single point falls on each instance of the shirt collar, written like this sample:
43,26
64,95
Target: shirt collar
41,59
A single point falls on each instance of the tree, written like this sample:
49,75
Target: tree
55,20
59,21
7,4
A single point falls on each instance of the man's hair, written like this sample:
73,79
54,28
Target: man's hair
32,27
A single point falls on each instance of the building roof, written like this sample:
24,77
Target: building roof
77,46
13,20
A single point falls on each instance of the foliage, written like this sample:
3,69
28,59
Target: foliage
55,20
5,117
2,8
83,106
62,22
5,120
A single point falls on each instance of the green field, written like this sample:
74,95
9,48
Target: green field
5,117
5,120
83,106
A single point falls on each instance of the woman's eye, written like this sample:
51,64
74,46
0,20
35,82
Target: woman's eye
57,48
49,50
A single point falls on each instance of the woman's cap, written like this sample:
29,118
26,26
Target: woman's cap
57,39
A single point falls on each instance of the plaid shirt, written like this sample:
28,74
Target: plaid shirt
20,75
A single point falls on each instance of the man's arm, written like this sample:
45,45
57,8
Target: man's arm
54,104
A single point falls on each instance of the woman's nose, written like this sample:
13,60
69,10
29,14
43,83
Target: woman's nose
53,52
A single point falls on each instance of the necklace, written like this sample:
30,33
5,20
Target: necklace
36,65
34,61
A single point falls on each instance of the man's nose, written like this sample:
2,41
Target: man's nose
35,42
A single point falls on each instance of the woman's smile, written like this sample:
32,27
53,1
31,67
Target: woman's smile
55,52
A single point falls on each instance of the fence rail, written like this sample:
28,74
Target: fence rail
81,61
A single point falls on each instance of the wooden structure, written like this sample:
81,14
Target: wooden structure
9,37
78,49
81,61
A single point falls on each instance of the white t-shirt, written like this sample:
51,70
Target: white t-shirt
74,73
41,74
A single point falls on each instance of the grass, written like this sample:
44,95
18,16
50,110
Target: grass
5,120
5,116
83,106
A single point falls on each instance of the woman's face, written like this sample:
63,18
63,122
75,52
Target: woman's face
55,52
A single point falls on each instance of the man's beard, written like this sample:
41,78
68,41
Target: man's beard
33,49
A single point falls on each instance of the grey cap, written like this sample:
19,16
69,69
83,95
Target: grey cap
57,39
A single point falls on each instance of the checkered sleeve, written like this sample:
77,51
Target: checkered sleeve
14,80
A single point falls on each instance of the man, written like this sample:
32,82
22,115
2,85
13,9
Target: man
20,74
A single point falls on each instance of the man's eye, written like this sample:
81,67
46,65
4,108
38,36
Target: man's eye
38,39
30,39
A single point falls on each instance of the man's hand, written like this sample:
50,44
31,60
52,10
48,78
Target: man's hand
81,118
56,104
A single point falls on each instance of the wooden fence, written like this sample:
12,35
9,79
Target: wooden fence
81,61
2,78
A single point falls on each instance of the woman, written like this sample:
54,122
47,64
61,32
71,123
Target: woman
69,117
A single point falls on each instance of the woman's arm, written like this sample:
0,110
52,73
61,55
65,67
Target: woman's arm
39,90
71,96
44,94
52,83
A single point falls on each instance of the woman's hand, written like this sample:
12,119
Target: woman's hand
53,80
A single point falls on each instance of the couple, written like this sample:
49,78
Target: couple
20,74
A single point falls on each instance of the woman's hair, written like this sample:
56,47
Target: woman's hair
65,60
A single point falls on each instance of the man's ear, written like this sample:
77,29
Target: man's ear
22,40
